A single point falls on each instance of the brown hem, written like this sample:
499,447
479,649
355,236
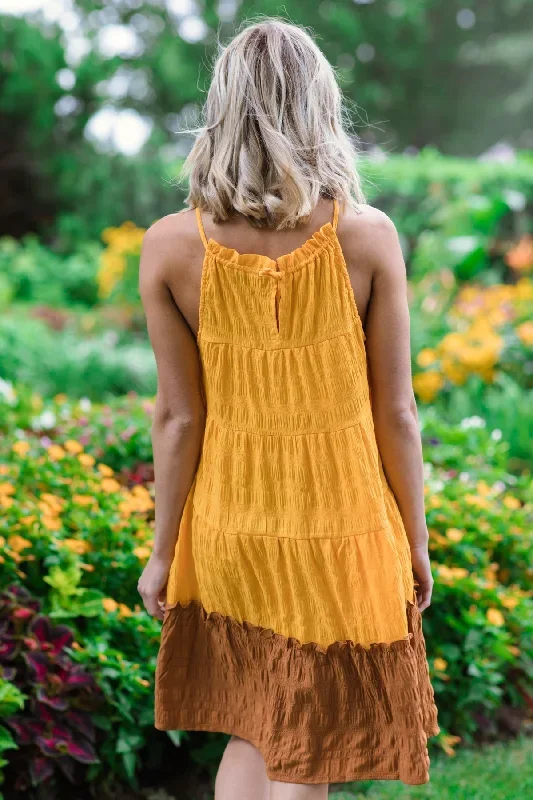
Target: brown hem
341,714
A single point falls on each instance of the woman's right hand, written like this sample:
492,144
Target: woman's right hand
422,572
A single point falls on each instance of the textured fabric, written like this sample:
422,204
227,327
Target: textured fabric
291,527
317,715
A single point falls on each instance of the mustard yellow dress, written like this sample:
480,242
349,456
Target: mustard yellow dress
291,619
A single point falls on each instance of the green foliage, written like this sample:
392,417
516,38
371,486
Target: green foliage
31,272
453,213
11,700
64,361
496,772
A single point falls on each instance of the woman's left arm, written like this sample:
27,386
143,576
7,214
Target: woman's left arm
179,416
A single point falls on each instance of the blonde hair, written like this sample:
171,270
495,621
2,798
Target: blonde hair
273,140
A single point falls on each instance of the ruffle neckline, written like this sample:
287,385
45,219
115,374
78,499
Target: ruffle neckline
251,262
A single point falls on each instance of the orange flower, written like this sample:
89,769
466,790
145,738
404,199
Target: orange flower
440,664
71,446
495,617
142,552
428,384
55,452
83,500
525,333
18,543
78,546
21,448
7,488
520,257
454,534
426,357
104,470
448,741
511,502
110,485
109,604
86,460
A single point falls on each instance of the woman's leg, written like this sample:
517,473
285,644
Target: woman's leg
298,791
242,773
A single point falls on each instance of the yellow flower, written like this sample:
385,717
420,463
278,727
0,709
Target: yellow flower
124,611
428,384
55,452
109,604
455,372
51,523
509,602
6,502
60,399
54,502
448,741
83,500
142,552
78,546
110,485
511,502
143,681
495,617
86,460
18,543
21,448
454,534
104,470
28,520
7,488
440,664
72,446
426,357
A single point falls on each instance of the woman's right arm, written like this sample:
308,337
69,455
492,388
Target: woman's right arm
387,329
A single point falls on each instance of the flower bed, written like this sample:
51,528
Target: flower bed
77,526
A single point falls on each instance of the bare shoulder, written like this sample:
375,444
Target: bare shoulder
367,235
170,241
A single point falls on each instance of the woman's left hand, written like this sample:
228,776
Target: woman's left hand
152,585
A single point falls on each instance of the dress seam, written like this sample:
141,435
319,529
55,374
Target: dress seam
347,333
282,433
328,538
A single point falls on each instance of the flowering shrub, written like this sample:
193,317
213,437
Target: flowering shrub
54,729
119,263
490,331
77,534
78,537
117,432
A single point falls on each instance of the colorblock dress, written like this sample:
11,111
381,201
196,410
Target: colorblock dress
291,617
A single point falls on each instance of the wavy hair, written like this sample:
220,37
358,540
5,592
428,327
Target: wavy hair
272,140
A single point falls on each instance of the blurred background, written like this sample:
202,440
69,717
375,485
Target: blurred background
92,94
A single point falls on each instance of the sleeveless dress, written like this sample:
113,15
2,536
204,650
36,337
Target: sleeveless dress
291,618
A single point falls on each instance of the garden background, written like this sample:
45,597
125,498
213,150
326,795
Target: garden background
91,94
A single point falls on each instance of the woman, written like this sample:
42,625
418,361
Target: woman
289,509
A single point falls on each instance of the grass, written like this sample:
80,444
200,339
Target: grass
496,772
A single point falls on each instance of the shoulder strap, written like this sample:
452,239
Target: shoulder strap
201,226
335,213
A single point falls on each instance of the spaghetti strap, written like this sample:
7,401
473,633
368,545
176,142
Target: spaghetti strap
201,226
335,213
